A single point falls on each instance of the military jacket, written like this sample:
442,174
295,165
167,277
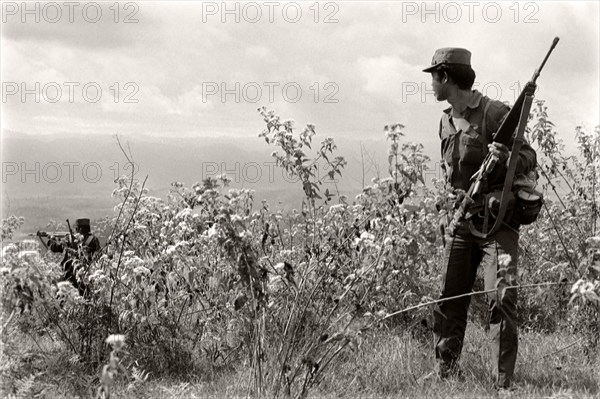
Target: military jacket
464,148
84,249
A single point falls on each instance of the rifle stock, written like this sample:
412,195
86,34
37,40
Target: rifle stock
509,125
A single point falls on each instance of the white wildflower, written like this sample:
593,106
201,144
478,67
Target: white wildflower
183,213
367,236
212,231
97,275
275,283
141,270
504,260
576,287
587,287
66,289
11,249
337,208
593,242
134,261
287,253
349,278
280,266
116,340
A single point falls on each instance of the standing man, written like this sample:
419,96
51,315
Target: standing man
78,253
466,131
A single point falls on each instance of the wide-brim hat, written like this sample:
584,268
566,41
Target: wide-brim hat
449,55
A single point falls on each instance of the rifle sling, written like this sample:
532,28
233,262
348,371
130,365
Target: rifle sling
510,173
483,123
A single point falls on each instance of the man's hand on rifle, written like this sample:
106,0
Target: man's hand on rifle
500,152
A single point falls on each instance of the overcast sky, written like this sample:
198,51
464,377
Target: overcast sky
347,67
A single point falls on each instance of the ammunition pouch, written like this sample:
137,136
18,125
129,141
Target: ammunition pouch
524,206
528,204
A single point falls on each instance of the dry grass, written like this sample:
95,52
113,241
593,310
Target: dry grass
392,366
387,365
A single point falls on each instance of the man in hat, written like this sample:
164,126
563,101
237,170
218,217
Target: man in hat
466,131
78,252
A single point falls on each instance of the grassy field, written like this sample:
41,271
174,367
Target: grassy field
386,365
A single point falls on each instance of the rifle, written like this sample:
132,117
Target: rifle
48,234
61,235
515,121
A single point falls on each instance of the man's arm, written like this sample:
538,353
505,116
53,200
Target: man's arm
527,160
55,246
94,245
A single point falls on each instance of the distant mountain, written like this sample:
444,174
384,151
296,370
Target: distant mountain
55,177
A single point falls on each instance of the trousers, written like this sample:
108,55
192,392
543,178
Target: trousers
464,254
70,275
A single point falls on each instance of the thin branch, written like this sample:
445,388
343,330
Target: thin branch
558,196
560,238
421,305
556,351
129,158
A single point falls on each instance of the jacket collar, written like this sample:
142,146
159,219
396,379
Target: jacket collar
475,101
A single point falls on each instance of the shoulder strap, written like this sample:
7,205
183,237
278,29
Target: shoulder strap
88,240
488,102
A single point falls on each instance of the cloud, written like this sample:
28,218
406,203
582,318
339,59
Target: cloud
370,53
385,75
258,52
190,102
89,25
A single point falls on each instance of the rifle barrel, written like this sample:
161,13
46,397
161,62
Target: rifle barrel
70,230
536,74
507,129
